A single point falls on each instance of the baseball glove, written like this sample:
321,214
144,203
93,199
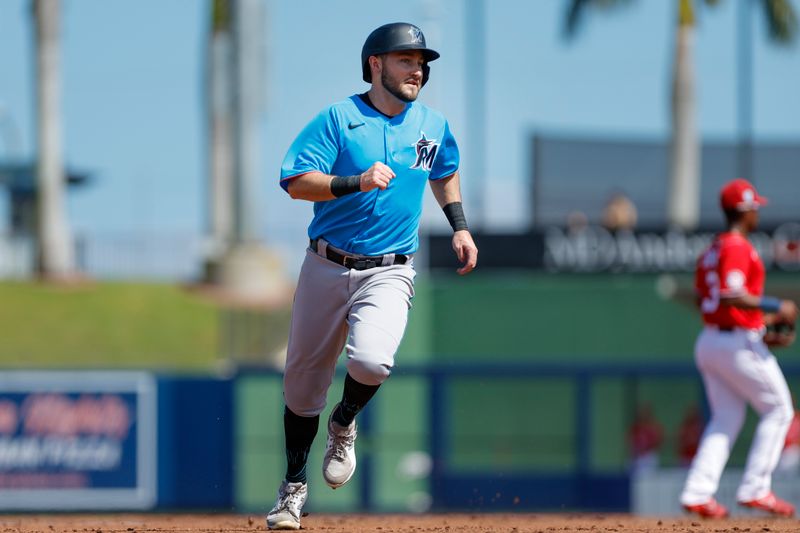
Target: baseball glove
780,334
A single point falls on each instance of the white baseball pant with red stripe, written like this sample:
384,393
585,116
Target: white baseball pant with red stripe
738,369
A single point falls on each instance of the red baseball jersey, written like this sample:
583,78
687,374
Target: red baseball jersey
729,267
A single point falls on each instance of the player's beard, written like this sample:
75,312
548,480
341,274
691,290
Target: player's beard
396,89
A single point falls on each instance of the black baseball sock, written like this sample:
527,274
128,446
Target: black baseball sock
354,398
300,432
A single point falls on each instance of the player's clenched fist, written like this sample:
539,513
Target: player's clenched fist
377,176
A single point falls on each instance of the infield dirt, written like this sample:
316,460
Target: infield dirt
448,523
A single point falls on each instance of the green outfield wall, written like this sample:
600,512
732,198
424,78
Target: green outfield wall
557,318
545,317
509,424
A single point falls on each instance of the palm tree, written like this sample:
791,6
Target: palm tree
56,256
683,203
219,102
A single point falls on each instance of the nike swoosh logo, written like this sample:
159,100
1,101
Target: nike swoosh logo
354,125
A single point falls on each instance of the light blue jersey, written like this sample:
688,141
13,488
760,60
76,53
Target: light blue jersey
349,137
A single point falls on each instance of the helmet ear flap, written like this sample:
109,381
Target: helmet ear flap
426,72
366,73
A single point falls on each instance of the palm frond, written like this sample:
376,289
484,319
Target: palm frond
574,14
781,20
576,9
686,15
220,15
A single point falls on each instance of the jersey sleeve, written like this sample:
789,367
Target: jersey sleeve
447,157
314,150
734,264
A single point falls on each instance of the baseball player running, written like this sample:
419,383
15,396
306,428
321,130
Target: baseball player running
364,163
736,364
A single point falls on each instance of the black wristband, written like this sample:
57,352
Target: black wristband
341,185
454,212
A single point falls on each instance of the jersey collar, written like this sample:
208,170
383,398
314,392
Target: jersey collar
370,111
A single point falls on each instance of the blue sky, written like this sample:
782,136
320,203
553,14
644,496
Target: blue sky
133,94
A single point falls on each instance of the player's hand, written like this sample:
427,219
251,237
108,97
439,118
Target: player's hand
466,251
787,311
377,176
781,326
780,336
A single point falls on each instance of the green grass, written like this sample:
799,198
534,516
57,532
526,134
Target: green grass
106,325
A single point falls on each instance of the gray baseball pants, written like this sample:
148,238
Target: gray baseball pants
363,311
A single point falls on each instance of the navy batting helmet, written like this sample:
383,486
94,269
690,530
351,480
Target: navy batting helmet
393,38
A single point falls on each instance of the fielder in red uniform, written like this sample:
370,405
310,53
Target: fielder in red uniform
736,365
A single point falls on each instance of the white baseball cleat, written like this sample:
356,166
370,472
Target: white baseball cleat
340,454
288,507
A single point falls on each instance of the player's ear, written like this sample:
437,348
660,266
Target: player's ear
375,64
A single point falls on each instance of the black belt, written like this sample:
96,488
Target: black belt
726,329
358,262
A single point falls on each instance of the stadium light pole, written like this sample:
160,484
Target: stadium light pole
744,93
475,56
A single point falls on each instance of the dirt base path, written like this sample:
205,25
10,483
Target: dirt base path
444,523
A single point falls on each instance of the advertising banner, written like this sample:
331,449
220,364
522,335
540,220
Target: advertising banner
77,440
594,249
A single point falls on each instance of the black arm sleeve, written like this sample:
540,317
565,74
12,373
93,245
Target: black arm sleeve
341,185
454,212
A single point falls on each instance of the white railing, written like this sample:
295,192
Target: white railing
147,256
16,257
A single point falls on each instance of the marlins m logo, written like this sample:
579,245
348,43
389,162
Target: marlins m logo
426,153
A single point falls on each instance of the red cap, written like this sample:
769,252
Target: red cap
740,195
